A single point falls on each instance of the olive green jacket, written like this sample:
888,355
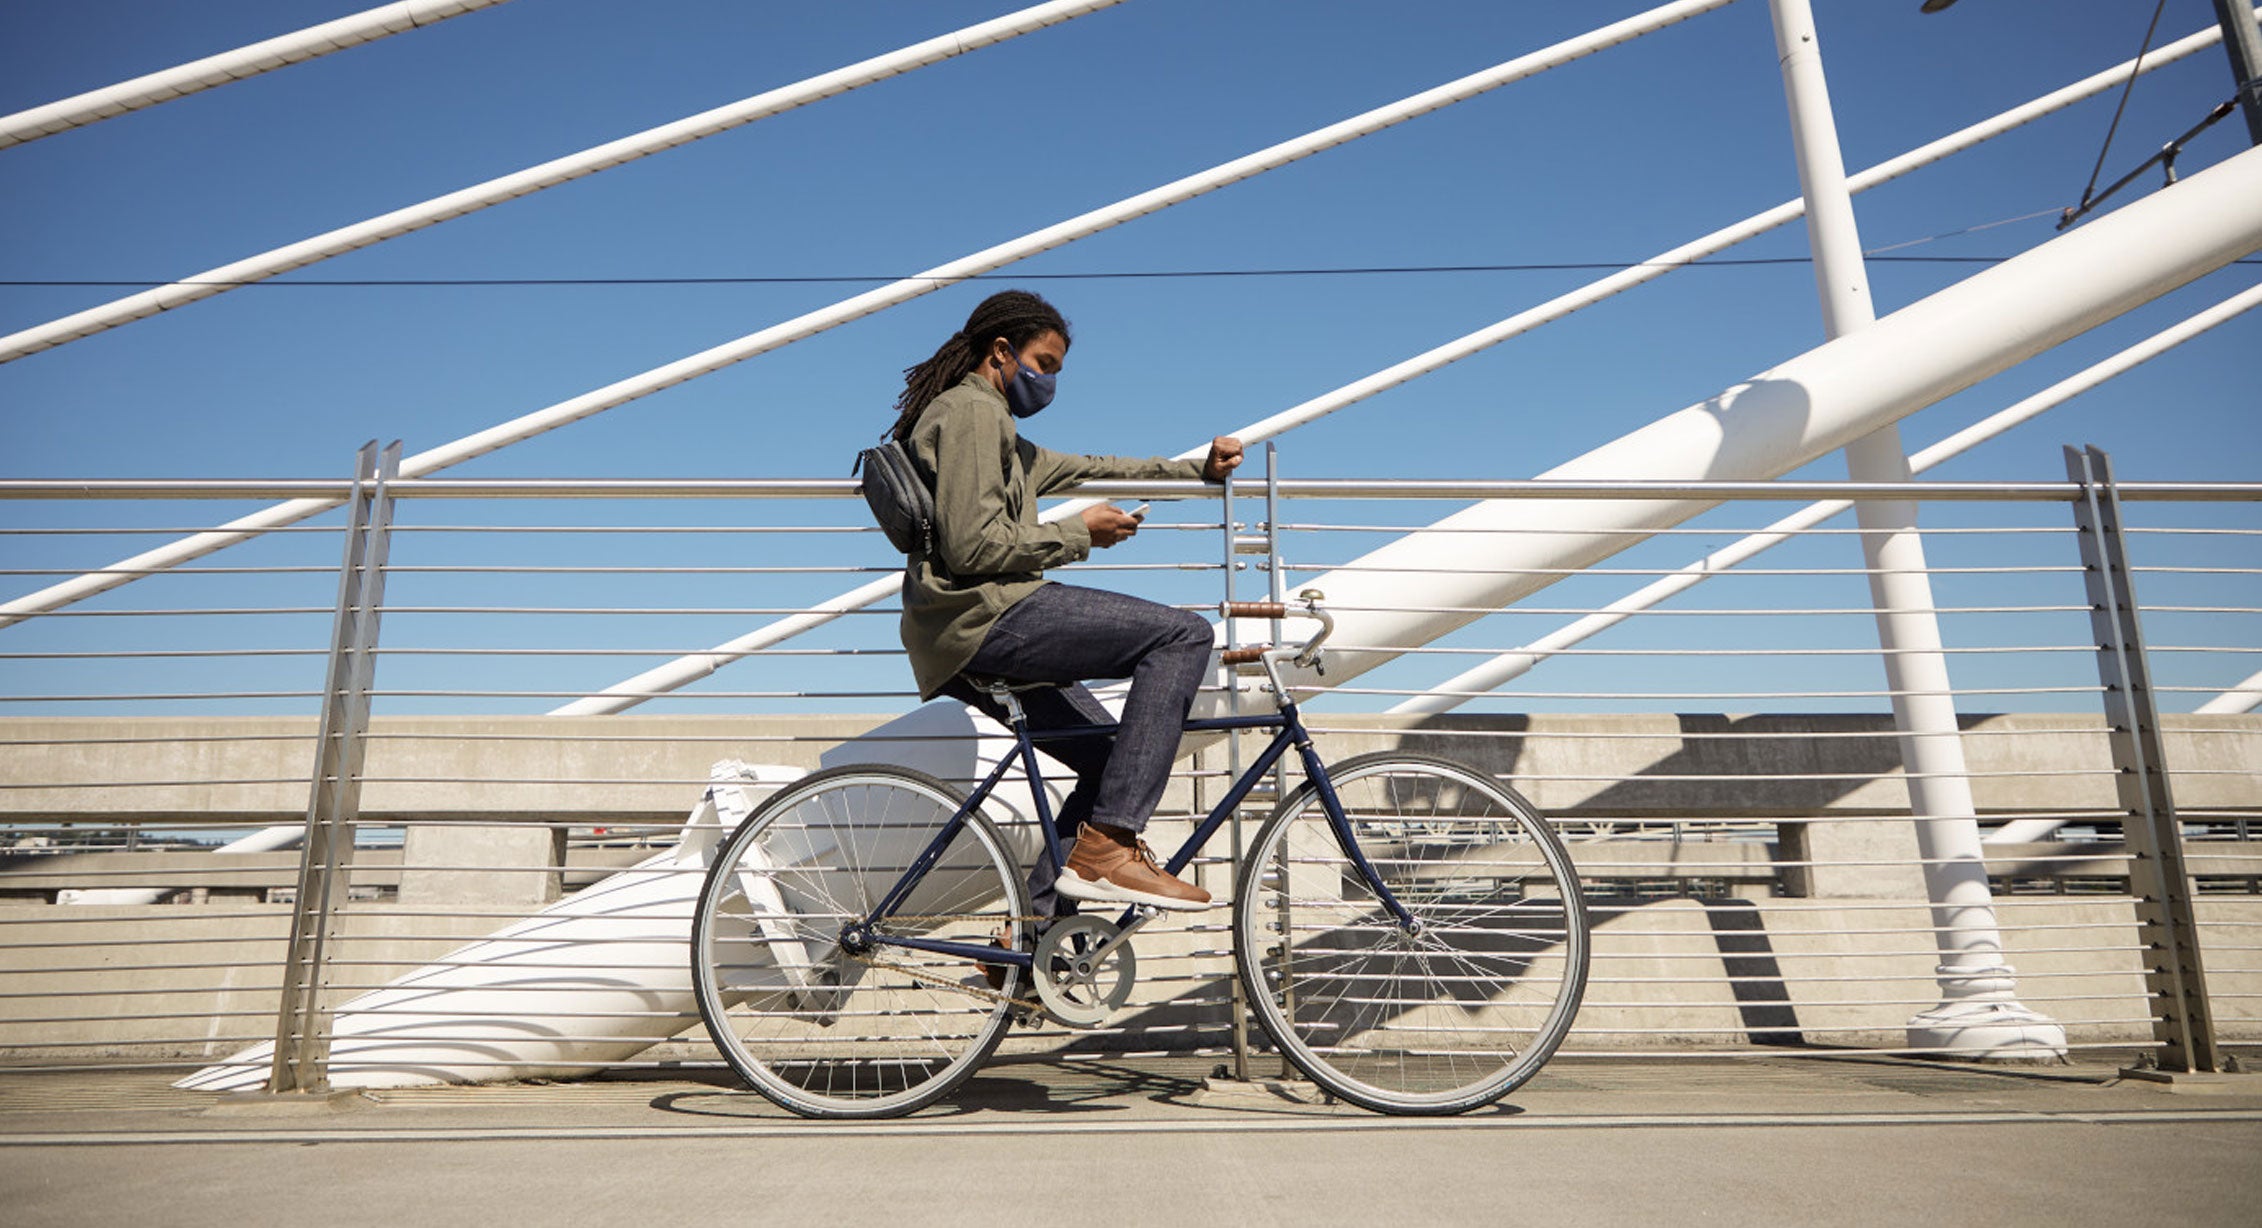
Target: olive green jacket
990,550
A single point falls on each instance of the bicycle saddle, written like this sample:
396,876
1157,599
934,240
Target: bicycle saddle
993,684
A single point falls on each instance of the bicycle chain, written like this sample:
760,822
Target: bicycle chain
937,979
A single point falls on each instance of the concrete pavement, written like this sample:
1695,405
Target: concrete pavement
1846,1139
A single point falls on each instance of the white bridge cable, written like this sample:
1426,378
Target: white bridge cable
632,691
367,26
809,324
535,178
1482,679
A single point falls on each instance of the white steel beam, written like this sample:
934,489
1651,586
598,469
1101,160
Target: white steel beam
1483,679
367,26
2245,697
674,674
535,178
812,323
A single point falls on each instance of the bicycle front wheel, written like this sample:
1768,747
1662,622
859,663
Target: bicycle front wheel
819,1029
1446,1015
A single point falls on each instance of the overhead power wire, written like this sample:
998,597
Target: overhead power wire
1096,275
2135,67
1093,275
1878,254
1105,275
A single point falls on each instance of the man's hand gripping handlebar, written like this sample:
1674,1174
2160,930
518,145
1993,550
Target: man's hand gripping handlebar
1303,656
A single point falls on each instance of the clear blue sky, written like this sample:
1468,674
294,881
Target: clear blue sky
1609,160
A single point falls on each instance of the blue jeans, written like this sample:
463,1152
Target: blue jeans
1063,634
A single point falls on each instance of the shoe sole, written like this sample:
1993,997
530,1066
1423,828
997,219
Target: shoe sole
1076,887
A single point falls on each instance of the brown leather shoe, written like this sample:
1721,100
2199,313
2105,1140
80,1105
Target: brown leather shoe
1112,866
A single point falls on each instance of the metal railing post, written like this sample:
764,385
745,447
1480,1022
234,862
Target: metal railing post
302,1025
2175,978
1236,545
1240,1005
1276,590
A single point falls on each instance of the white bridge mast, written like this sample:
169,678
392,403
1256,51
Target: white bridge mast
1979,1014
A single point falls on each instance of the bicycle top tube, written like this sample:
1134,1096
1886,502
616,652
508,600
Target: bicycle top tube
1208,724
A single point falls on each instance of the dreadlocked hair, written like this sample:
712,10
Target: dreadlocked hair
1016,315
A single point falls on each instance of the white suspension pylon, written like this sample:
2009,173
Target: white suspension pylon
1496,671
800,327
674,674
1979,1014
148,90
535,178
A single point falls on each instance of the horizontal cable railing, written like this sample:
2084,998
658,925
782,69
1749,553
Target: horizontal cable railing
1724,764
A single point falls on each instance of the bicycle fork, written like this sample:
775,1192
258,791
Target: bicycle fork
1316,771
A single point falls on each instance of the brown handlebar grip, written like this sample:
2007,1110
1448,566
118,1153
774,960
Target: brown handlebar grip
1256,609
1242,656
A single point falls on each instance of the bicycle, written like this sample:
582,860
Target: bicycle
1408,931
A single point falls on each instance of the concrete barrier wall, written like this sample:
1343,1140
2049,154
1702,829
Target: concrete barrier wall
648,768
1740,966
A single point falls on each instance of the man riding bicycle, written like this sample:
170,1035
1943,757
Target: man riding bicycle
977,603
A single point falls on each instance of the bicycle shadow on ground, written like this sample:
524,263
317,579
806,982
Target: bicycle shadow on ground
1007,1087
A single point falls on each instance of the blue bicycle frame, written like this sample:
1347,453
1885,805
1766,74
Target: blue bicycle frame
1288,727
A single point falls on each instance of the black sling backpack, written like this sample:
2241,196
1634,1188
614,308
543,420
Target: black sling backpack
898,497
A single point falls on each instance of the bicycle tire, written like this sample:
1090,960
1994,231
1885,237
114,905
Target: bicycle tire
1442,1020
820,1031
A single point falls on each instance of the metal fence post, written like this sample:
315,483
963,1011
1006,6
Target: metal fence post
1276,591
2174,977
302,1040
1237,544
1239,1068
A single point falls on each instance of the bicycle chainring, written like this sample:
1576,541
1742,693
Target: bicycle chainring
1077,990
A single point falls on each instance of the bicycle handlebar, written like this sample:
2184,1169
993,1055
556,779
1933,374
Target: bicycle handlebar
1305,655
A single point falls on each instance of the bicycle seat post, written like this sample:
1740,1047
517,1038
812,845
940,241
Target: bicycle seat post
1004,693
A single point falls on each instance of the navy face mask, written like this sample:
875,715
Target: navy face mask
1029,390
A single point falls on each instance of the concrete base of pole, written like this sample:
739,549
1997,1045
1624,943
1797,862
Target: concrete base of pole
1982,1021
1228,1092
2197,1083
287,1104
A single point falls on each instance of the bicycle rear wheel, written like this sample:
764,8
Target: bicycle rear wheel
830,1033
1447,1016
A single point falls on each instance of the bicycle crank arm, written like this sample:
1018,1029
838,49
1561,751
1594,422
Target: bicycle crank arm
1139,915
